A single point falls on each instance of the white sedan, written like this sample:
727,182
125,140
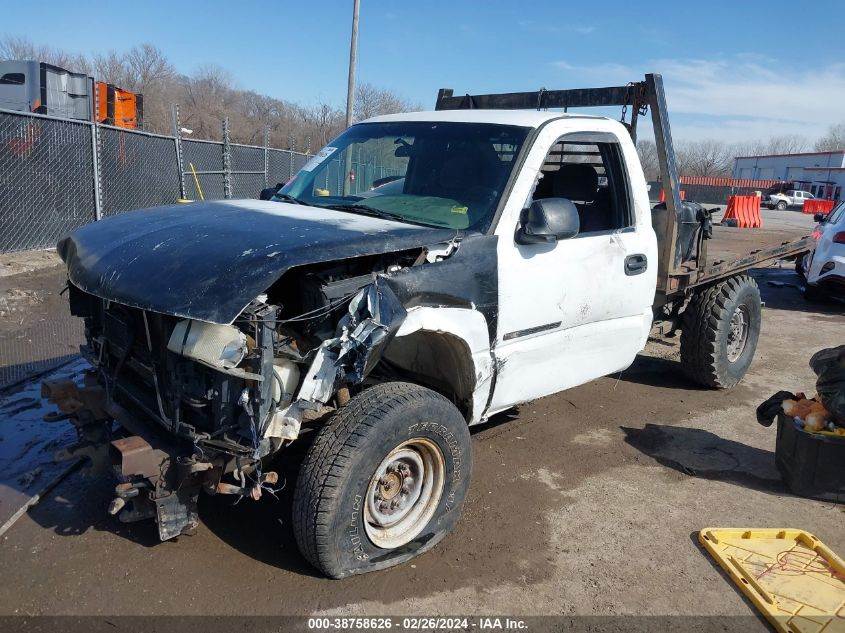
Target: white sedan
824,266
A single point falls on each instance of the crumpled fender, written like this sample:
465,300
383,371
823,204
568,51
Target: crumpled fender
372,319
470,327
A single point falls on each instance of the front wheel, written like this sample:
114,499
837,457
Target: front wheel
384,481
719,334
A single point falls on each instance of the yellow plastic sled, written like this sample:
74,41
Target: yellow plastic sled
795,580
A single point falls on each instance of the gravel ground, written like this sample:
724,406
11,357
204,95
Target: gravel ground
587,502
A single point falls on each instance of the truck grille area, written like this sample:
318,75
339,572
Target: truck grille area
129,347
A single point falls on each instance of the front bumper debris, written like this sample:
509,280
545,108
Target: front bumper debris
158,477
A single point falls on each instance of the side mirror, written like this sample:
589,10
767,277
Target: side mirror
819,217
547,221
404,149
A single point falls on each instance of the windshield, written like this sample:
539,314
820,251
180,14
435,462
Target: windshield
438,174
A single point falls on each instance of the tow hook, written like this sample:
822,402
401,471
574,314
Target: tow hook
123,492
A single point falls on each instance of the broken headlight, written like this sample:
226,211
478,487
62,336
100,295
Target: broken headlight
218,346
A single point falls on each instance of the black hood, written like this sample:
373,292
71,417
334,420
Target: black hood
208,260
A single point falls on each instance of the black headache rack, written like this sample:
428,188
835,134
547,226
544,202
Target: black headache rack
674,275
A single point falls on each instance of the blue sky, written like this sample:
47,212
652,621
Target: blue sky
733,70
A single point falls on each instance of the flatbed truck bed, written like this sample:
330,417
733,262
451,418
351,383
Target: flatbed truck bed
715,259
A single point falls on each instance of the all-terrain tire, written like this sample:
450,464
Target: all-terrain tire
707,331
335,483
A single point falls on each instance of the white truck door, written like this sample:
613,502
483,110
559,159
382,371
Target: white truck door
581,308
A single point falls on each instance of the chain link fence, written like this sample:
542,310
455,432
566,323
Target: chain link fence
58,174
204,175
46,179
39,346
136,170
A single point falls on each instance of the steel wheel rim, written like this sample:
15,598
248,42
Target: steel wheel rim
738,332
404,492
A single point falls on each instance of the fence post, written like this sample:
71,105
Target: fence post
95,164
266,156
308,145
227,161
177,137
291,150
95,155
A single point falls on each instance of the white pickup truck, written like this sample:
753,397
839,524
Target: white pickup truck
789,198
488,253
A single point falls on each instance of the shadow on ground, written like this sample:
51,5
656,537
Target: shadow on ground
270,538
699,453
655,371
783,289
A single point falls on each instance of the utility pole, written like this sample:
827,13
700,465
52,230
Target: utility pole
350,93
353,52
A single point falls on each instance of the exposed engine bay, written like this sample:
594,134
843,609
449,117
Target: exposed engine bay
202,406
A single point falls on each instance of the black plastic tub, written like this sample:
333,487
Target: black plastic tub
811,464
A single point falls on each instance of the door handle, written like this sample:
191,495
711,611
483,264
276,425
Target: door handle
636,264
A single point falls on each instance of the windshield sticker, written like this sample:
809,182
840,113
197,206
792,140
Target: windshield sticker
462,210
319,157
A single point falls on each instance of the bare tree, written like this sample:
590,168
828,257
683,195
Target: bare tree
647,151
148,68
706,157
208,98
755,147
372,101
111,68
325,120
787,144
834,139
22,48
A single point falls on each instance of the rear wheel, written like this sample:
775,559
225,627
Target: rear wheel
721,326
385,480
781,206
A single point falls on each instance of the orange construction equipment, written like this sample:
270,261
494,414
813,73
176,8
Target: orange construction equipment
818,206
745,210
120,108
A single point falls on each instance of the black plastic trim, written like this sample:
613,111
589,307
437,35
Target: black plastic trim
532,330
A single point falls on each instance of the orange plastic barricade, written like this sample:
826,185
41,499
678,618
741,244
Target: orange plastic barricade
818,206
663,195
745,210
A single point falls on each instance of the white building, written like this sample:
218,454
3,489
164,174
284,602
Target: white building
820,173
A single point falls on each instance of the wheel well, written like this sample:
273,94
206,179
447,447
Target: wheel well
437,360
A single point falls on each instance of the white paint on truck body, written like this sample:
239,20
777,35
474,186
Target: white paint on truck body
467,326
595,318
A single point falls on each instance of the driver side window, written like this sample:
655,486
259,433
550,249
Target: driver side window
593,177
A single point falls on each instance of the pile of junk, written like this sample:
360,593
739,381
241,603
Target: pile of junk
810,447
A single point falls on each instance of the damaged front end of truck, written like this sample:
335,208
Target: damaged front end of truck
190,392
228,396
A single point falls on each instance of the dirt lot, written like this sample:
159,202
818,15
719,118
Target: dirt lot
586,502
36,329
